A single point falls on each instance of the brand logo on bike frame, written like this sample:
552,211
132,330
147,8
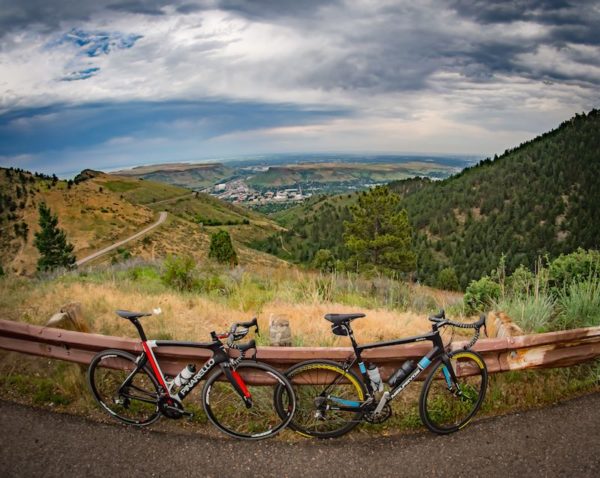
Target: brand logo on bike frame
407,382
196,378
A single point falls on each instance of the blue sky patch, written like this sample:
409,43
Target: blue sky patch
91,44
81,74
94,44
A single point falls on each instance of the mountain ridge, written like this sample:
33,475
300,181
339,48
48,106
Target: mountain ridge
537,199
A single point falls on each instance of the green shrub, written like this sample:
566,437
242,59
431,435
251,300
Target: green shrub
533,313
122,254
575,267
221,248
521,282
481,294
579,305
324,261
143,274
179,273
447,279
211,283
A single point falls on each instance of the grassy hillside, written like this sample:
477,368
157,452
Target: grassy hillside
193,176
538,199
104,209
359,173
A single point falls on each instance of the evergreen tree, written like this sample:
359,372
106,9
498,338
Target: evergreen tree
324,260
222,249
379,235
51,241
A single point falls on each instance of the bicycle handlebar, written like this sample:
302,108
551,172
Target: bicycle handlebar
237,332
440,320
244,347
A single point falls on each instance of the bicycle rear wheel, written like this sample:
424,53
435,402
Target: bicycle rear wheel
318,386
227,410
446,406
126,392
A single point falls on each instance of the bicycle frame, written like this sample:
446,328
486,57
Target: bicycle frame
219,358
436,352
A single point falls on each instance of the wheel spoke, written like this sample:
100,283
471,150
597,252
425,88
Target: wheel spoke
445,410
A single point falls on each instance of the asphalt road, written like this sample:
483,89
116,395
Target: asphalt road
563,440
161,218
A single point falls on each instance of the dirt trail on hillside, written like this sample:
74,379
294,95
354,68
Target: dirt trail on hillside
161,219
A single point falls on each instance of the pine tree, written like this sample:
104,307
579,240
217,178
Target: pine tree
222,249
51,241
379,235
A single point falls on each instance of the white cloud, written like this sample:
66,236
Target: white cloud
415,75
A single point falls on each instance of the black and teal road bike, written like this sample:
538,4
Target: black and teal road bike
332,399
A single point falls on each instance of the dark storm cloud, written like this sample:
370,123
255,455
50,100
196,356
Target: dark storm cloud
383,48
411,44
503,11
47,15
576,21
273,9
26,131
142,7
42,14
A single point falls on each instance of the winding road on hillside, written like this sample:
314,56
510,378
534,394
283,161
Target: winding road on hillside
162,217
562,440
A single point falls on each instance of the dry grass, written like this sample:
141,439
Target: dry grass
92,219
192,317
103,210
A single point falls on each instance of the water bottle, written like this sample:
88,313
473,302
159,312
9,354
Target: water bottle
184,376
375,377
399,375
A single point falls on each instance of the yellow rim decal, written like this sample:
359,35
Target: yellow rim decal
470,355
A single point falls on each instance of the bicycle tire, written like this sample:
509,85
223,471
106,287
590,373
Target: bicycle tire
136,404
311,421
226,409
443,410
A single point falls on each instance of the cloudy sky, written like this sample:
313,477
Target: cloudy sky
112,83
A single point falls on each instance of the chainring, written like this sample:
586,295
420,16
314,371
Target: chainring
382,416
170,408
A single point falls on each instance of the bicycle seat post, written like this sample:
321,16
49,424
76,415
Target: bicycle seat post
351,335
139,328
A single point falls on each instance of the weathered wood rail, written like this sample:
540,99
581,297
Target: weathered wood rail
548,350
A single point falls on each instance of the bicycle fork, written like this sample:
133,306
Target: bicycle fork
239,385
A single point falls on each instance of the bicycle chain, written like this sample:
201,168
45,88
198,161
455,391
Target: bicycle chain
382,416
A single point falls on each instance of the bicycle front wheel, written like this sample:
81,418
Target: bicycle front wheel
127,392
447,405
321,387
227,410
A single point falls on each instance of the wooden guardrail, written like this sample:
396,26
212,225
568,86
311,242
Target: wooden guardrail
548,350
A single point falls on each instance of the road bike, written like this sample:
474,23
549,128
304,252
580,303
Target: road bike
331,399
238,397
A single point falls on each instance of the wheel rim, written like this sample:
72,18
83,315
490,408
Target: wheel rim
451,409
312,388
227,410
136,403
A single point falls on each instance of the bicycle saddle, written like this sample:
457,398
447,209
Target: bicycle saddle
126,314
339,318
